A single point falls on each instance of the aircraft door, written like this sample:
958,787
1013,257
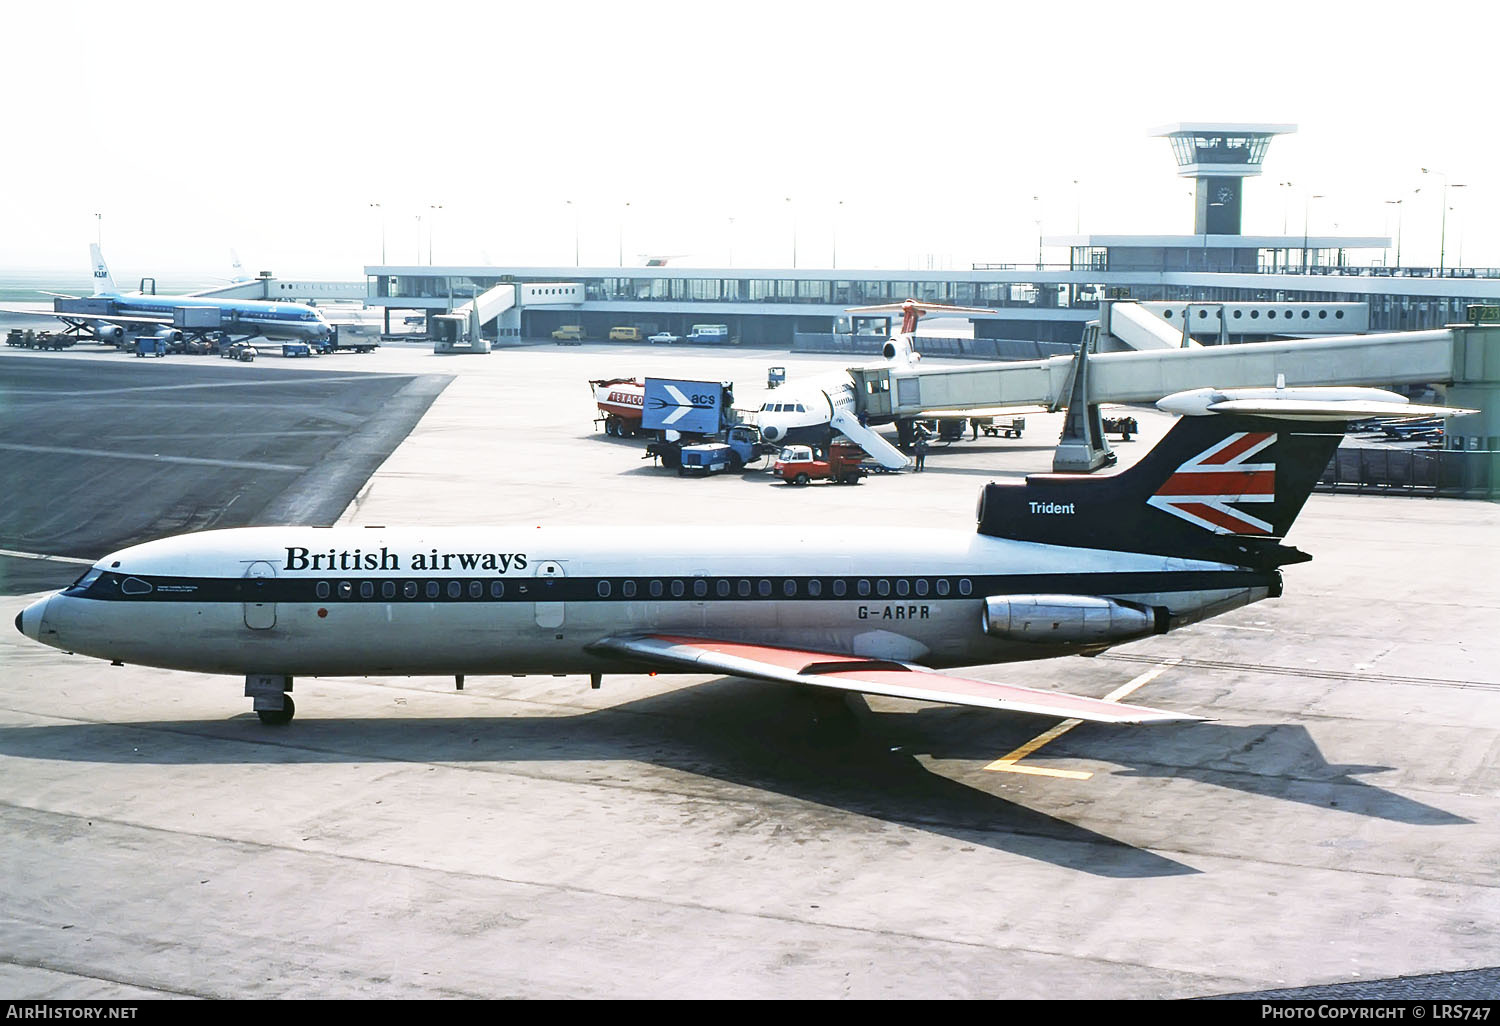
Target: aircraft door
549,589
260,610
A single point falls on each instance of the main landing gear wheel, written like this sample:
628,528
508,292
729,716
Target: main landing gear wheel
278,717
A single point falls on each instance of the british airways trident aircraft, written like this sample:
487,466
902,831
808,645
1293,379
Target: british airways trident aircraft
1059,565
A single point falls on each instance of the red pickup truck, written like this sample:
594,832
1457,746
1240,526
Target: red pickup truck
799,464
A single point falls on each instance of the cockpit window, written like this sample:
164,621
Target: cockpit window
87,579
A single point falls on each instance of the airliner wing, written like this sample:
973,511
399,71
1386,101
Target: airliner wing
869,676
106,318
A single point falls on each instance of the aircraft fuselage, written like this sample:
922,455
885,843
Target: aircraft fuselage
304,601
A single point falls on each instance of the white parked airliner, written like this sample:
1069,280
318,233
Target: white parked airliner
1059,564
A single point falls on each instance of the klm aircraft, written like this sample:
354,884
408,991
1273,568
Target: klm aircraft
109,314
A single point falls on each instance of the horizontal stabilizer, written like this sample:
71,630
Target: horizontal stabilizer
869,676
1302,403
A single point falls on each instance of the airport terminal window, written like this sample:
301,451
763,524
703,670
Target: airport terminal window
628,589
839,588
604,589
764,588
497,589
942,586
366,589
433,589
656,589
346,590
388,589
409,590
322,590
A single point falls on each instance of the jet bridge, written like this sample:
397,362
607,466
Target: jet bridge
1464,356
462,330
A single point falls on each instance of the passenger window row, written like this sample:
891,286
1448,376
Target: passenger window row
656,588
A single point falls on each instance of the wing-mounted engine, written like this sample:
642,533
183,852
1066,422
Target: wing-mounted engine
168,335
110,333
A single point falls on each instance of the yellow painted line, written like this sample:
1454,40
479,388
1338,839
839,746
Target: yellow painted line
1007,763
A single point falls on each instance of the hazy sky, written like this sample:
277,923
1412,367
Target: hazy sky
913,134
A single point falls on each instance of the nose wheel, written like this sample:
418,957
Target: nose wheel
278,717
273,704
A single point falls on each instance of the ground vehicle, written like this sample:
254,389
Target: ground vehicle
664,337
351,338
681,414
625,334
1122,426
150,345
799,464
242,351
32,339
568,333
708,458
415,320
620,402
994,427
708,333
295,349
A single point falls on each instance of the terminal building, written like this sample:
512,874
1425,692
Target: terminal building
1038,307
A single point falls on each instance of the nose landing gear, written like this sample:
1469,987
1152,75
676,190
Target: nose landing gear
272,703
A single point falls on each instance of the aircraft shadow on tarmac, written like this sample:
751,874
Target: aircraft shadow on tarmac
777,738
1276,760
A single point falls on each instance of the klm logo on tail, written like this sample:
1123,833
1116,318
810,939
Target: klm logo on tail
1205,489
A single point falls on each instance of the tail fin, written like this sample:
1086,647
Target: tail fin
1224,487
237,269
103,283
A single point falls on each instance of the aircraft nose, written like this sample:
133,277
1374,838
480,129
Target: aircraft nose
29,620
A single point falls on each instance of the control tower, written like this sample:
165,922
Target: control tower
1219,155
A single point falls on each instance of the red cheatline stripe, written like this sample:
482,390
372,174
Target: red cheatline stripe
1228,521
1229,452
1226,483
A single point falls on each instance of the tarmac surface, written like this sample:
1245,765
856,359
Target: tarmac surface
1333,826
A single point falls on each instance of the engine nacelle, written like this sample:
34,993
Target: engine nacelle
111,333
898,349
169,334
1068,619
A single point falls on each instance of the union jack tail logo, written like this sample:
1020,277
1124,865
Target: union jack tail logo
1203,489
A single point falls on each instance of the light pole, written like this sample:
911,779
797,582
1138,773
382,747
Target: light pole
1077,208
1038,210
431,224
731,242
99,230
623,213
836,233
575,232
377,206
1285,202
1306,210
1443,235
1400,205
419,240
793,208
